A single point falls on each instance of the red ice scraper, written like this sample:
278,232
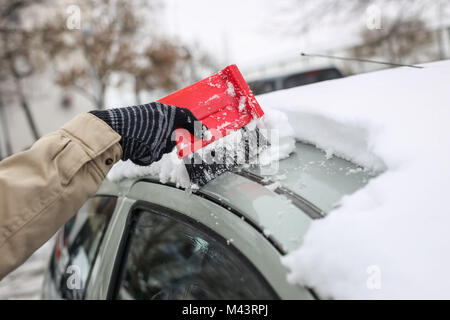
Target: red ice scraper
225,104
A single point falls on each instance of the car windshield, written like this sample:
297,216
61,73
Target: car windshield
320,180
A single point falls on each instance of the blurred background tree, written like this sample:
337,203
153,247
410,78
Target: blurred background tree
399,41
406,34
88,47
18,60
114,38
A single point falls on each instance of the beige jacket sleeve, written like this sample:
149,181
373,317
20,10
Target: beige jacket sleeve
41,188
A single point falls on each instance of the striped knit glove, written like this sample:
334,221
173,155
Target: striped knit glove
146,130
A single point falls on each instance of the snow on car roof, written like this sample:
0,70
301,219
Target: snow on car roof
391,238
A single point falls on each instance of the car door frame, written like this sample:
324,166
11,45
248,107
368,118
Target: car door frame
144,207
261,253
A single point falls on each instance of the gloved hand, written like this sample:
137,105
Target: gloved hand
146,130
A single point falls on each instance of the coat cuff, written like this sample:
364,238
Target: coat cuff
98,140
93,134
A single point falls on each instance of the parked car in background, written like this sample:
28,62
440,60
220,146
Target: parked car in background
293,80
141,239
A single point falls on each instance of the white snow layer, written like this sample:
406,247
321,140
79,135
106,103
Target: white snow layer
391,239
169,169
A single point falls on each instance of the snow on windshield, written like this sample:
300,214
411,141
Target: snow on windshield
391,239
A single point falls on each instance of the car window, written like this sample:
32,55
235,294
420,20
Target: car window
331,74
263,86
301,79
77,244
167,258
310,77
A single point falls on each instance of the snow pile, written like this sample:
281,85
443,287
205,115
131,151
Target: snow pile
171,169
390,239
283,142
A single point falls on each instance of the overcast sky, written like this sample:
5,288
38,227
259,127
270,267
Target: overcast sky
251,33
235,31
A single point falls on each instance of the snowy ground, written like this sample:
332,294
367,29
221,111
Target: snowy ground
26,281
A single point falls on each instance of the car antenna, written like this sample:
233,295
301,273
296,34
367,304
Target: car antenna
358,59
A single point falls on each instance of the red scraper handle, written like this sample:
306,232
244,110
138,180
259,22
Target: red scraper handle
223,102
